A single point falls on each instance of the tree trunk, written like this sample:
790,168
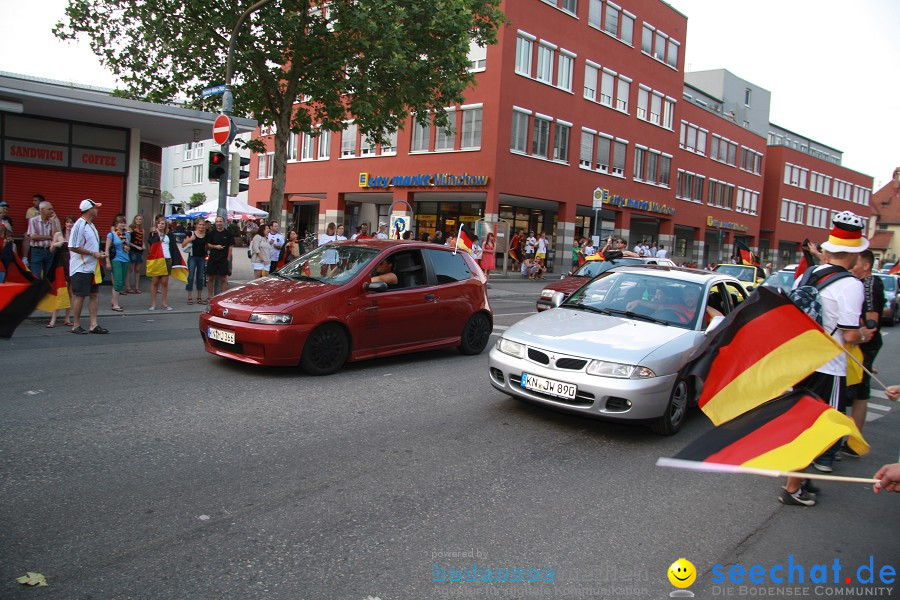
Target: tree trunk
279,171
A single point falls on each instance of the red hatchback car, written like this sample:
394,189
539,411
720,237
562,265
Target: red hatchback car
322,309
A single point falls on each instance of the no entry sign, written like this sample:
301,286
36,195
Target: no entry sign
222,129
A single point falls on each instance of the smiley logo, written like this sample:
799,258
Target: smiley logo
682,573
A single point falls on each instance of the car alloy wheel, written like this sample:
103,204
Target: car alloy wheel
670,422
475,334
326,350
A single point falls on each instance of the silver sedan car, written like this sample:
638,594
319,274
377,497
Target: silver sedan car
613,349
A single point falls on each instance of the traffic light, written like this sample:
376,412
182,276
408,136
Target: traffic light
217,162
236,166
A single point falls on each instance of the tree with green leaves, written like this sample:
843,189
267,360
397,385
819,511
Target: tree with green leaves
373,61
196,199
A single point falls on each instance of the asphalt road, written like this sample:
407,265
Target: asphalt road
134,465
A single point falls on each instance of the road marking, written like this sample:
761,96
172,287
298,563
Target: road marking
881,407
501,327
513,314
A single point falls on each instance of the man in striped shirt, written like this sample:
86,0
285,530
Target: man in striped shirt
40,235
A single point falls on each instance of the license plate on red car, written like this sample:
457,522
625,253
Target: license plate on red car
220,335
548,386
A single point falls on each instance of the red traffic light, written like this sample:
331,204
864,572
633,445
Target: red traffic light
217,162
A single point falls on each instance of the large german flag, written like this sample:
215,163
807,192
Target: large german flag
20,292
465,240
156,262
58,296
761,349
743,254
785,434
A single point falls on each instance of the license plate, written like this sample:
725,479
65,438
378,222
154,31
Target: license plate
219,335
548,386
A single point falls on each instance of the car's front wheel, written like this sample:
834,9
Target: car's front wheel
475,334
671,420
326,350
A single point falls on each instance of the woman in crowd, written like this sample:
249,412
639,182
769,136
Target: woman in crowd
196,243
117,258
260,251
488,260
160,283
136,254
61,244
292,248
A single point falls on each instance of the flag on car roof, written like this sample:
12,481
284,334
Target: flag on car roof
465,240
762,348
743,255
58,296
785,434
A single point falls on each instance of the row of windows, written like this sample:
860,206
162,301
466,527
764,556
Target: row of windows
613,86
690,186
693,139
824,184
193,150
598,148
776,139
613,19
723,150
655,107
553,65
548,137
751,160
660,46
652,166
816,216
191,175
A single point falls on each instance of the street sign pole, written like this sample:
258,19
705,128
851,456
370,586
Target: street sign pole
228,106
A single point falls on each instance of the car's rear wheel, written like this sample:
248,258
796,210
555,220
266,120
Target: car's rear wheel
671,420
475,334
326,350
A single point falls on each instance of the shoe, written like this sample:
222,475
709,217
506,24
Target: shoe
838,457
79,330
169,308
99,329
189,301
822,467
49,325
152,308
201,301
845,449
118,308
798,498
136,291
809,486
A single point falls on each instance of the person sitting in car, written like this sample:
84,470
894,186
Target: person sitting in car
384,272
667,299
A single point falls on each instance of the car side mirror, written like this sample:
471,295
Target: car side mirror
377,286
557,298
713,323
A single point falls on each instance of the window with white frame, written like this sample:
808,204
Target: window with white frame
186,176
471,127
668,116
665,168
819,183
545,62
590,80
640,158
643,102
817,216
348,140
519,131
622,92
720,194
751,160
659,52
292,145
197,172
746,201
564,70
445,137
656,99
421,134
620,147
692,138
266,166
672,54
604,143
626,27
842,189
524,51
570,6
607,85
792,211
586,152
595,13
652,173
324,145
308,147
689,186
647,38
390,146
794,175
477,57
540,140
861,195
176,177
366,145
561,141
611,22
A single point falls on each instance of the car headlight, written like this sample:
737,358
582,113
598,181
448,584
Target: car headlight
268,319
548,293
603,368
510,347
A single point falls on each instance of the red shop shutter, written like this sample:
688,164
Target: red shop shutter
64,188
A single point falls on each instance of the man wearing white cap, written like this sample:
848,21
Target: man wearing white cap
842,300
382,231
84,252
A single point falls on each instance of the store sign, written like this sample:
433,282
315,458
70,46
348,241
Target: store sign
711,222
36,154
621,201
98,160
367,180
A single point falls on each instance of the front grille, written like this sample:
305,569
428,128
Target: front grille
235,348
573,364
582,399
538,356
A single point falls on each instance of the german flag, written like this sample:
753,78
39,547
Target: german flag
156,262
282,257
17,301
806,261
895,269
465,240
785,434
16,271
762,348
743,254
58,296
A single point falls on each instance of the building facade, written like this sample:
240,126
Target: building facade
582,122
185,170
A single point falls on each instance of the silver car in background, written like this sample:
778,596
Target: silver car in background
613,348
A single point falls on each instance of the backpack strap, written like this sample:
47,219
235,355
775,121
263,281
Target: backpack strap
822,278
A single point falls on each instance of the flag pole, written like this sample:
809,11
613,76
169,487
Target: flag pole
692,465
456,245
871,374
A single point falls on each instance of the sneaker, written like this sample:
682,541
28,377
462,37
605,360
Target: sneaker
838,457
822,467
845,449
152,308
808,486
798,498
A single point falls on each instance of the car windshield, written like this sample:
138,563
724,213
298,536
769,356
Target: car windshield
744,273
890,283
665,300
331,263
592,268
781,279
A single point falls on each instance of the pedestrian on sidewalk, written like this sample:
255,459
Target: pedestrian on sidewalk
84,250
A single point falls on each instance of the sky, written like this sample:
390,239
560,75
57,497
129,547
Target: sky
831,65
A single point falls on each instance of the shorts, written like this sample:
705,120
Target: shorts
136,256
260,266
217,266
541,255
83,284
